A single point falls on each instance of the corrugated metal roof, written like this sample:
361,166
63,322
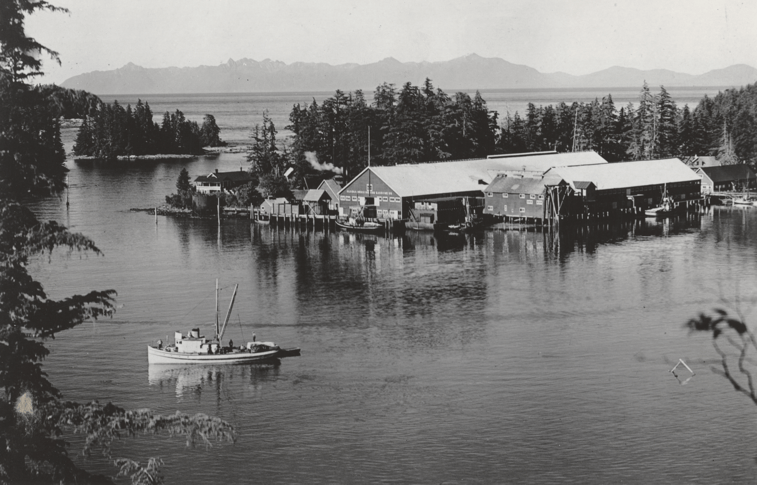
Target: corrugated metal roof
629,174
728,173
581,185
464,175
521,185
314,195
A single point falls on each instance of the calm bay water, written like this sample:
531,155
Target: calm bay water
506,357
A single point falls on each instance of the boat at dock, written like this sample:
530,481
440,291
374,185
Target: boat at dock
357,225
666,208
744,201
195,348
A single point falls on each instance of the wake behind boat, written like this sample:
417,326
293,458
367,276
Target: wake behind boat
197,349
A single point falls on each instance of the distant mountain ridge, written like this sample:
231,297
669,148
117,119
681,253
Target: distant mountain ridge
467,72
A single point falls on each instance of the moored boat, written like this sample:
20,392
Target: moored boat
357,225
197,349
744,201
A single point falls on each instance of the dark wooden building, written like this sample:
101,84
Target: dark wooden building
731,177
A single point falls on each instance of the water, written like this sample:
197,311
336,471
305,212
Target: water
506,357
237,113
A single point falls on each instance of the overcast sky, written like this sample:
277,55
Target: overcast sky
573,36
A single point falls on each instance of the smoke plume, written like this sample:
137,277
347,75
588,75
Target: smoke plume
313,160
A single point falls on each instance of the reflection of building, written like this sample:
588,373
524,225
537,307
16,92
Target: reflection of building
221,181
729,177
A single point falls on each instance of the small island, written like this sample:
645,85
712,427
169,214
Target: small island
111,132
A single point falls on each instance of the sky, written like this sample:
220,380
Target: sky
572,36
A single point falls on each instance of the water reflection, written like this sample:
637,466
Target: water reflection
192,382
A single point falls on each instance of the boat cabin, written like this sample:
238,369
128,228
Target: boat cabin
194,343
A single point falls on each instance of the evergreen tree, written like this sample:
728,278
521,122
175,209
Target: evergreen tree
667,126
686,140
209,133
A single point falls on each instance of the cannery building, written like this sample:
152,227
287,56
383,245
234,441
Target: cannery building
394,190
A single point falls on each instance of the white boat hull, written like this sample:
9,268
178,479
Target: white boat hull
160,356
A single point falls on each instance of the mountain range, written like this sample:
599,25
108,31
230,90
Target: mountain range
467,72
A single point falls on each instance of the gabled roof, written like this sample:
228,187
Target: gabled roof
239,176
315,195
582,184
522,185
331,187
728,173
272,203
629,174
465,175
697,161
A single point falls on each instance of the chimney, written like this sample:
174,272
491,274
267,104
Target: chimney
216,170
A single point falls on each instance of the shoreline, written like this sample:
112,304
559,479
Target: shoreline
208,151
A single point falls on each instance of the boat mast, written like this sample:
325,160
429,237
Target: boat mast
217,309
228,313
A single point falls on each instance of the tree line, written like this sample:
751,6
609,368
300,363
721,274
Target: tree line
421,124
654,128
112,131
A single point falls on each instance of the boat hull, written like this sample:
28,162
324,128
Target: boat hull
160,356
377,229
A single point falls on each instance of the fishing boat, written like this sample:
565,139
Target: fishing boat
364,221
361,225
195,348
744,200
666,207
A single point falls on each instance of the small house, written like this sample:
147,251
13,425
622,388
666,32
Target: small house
332,188
317,202
221,181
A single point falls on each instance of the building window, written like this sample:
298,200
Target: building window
489,194
522,196
490,208
533,196
368,187
522,209
539,202
504,195
530,202
354,198
505,208
385,199
541,197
